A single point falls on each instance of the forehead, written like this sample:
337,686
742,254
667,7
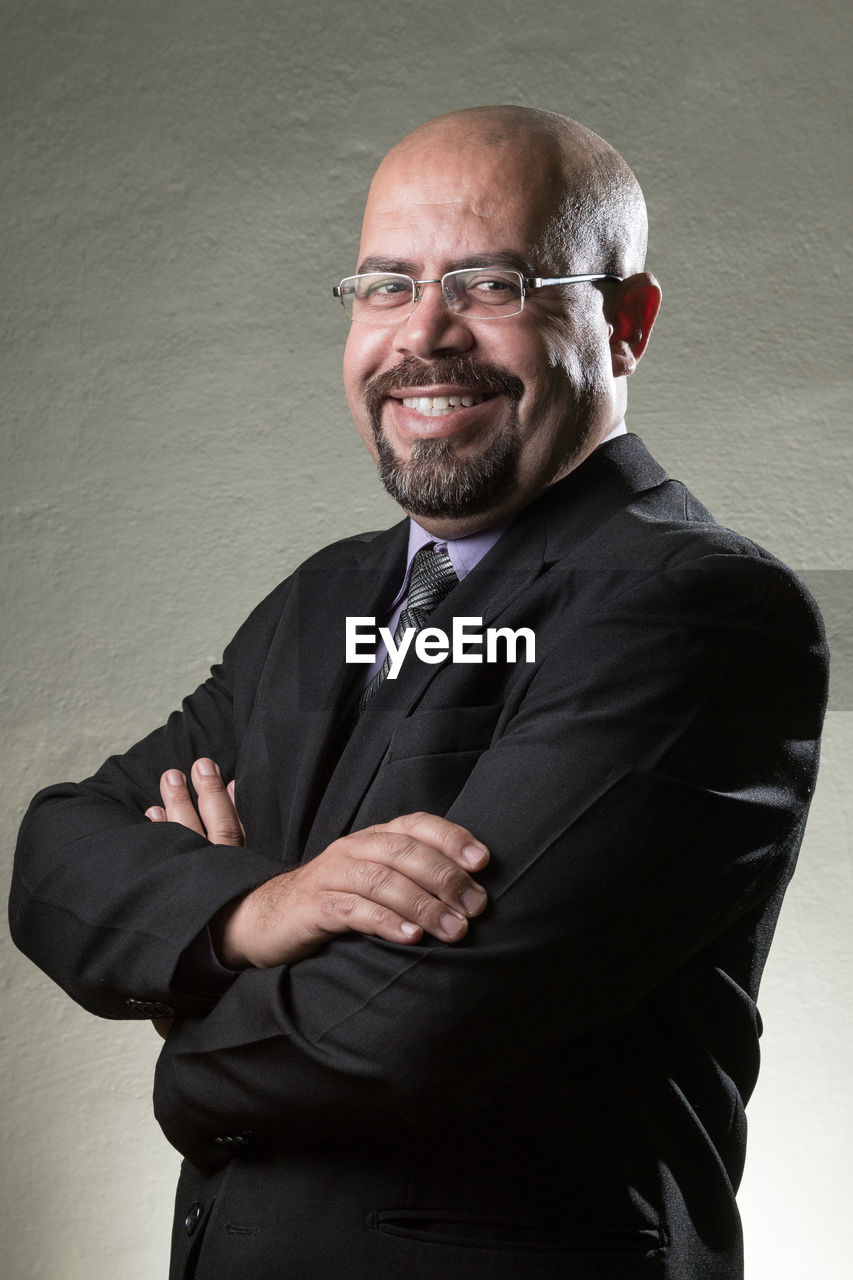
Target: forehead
438,203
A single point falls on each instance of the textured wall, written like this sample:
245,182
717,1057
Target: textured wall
182,182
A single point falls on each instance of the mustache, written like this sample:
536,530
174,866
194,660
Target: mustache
489,379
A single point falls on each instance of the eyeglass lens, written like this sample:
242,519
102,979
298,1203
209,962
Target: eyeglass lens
476,292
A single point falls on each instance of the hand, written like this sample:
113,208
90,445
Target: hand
216,819
396,881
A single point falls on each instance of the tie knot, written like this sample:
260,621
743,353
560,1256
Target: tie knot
433,576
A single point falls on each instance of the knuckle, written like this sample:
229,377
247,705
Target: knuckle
446,876
421,906
227,834
371,876
336,906
356,845
333,852
450,836
436,830
328,906
399,848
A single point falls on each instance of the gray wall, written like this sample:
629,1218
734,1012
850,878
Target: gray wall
182,182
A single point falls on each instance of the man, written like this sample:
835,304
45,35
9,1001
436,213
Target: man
375,1069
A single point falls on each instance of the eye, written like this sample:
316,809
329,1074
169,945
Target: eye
491,284
385,290
490,288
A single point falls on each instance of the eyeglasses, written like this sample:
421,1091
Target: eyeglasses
477,293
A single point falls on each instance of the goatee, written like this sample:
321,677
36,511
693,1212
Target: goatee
433,481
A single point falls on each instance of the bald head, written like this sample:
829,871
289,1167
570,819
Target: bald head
591,214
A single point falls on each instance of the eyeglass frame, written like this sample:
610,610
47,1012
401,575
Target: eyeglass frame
527,282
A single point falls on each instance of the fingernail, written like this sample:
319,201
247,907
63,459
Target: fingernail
473,854
207,768
174,777
410,930
473,899
153,815
454,925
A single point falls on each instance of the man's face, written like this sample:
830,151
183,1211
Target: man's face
535,391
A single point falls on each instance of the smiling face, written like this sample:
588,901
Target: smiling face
470,419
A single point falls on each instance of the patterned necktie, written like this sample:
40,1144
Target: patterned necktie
433,576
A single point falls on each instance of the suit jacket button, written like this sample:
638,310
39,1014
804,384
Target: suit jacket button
150,1008
239,1143
193,1218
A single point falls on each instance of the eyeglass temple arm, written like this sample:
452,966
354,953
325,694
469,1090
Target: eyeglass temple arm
538,282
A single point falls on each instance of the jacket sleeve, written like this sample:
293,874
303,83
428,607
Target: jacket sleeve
105,901
646,793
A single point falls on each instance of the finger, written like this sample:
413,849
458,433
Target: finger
431,870
215,805
391,871
349,913
177,801
156,814
383,888
231,789
455,841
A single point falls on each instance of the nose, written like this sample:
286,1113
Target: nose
431,328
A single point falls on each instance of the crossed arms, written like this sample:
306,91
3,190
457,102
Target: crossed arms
635,808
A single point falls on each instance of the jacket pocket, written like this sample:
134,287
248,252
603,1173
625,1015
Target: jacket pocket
494,1231
447,731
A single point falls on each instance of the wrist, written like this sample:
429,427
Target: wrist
224,937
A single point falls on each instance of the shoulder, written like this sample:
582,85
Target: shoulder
685,542
671,543
352,549
349,552
624,534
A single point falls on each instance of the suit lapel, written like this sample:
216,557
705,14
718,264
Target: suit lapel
361,579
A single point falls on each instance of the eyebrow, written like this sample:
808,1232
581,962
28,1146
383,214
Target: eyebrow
406,267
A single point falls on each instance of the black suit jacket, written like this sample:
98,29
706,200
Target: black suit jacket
562,1093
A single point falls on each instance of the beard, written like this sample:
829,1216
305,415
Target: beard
433,481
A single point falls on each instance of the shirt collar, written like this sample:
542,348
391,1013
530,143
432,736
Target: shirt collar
464,553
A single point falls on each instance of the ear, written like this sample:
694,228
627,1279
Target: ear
633,307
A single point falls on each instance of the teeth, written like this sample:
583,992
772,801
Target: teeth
436,406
